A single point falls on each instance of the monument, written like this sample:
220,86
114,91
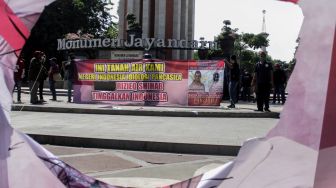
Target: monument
161,19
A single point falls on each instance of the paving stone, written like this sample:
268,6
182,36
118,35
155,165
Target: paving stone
59,150
160,158
99,163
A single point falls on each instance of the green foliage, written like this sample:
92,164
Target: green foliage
258,41
132,23
245,45
112,31
226,29
195,55
70,16
248,59
79,4
291,64
250,40
283,64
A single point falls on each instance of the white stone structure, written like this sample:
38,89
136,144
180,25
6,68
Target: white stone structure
161,19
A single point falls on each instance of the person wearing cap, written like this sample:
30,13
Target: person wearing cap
263,81
279,81
53,71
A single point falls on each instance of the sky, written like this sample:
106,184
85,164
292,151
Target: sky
283,21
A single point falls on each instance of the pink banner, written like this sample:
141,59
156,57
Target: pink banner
150,82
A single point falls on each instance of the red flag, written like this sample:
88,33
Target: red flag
12,29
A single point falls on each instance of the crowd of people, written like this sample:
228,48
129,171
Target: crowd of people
260,82
241,82
41,69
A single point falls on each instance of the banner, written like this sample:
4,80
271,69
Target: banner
149,82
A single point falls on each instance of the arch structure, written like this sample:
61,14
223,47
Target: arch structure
161,19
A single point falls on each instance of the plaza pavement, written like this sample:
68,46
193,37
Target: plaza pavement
141,146
136,168
216,130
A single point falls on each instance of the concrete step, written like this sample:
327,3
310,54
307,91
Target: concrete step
202,149
149,112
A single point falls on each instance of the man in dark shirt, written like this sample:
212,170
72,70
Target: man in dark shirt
43,76
279,80
263,79
234,80
34,75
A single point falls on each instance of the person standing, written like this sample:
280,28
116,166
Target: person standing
34,74
19,73
69,75
234,79
53,70
43,75
246,80
263,79
279,80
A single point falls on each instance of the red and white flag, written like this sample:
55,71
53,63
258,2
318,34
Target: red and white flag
23,162
293,1
301,150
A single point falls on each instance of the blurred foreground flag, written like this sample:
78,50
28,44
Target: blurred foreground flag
293,1
301,150
23,162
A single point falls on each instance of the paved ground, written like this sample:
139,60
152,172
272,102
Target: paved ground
189,131
175,131
163,129
137,169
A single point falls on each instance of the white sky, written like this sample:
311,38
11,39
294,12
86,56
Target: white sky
283,21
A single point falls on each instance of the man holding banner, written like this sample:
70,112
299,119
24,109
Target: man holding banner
234,79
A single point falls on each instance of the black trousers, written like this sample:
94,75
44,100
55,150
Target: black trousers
279,90
246,94
41,84
263,94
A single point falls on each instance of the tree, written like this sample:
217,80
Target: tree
248,59
245,41
232,42
226,41
195,55
291,66
132,23
112,31
244,45
283,64
69,16
134,28
227,38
